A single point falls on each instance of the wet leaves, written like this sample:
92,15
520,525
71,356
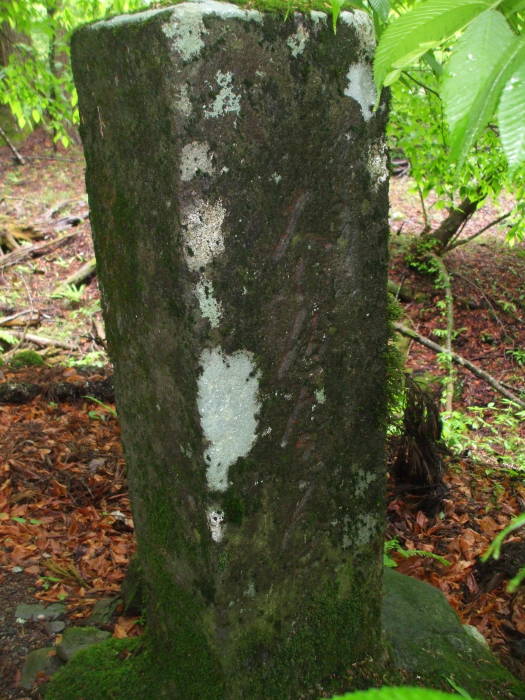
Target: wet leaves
64,512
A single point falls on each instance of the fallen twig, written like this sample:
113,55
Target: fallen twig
17,319
34,250
458,359
42,341
81,275
19,158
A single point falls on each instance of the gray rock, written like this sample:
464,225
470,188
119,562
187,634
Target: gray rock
77,638
35,611
103,612
39,661
55,626
426,637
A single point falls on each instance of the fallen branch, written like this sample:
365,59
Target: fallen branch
42,341
20,318
19,158
34,250
81,275
409,333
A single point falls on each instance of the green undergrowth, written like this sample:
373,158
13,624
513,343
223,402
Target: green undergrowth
400,693
490,435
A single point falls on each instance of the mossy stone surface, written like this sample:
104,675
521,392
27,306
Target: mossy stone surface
39,662
238,195
426,637
75,639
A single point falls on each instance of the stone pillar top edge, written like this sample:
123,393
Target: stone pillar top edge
228,10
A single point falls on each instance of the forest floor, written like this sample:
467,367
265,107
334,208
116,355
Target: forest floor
66,530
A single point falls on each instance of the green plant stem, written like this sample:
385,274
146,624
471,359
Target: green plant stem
458,359
444,280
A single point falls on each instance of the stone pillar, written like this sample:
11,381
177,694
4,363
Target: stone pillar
238,192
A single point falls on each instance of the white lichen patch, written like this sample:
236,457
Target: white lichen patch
363,481
185,30
226,100
377,163
276,178
185,27
195,158
227,399
320,396
202,230
297,42
216,524
318,17
364,28
227,10
365,529
182,102
360,87
209,306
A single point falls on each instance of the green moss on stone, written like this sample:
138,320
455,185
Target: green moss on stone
27,358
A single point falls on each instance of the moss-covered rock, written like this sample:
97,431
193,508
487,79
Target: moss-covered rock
40,662
427,638
75,639
26,358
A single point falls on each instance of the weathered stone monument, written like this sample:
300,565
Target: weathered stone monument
237,185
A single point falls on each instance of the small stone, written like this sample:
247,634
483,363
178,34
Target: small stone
17,569
103,612
55,626
76,638
96,464
39,612
39,661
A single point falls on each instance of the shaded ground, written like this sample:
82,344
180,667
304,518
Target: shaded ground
65,524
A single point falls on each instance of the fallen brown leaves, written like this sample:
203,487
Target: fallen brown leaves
474,512
64,512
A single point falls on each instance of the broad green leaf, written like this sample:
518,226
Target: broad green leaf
422,29
511,119
396,693
511,7
381,7
473,57
484,105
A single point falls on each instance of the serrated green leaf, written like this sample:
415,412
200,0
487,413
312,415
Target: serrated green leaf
484,105
510,117
472,60
422,29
